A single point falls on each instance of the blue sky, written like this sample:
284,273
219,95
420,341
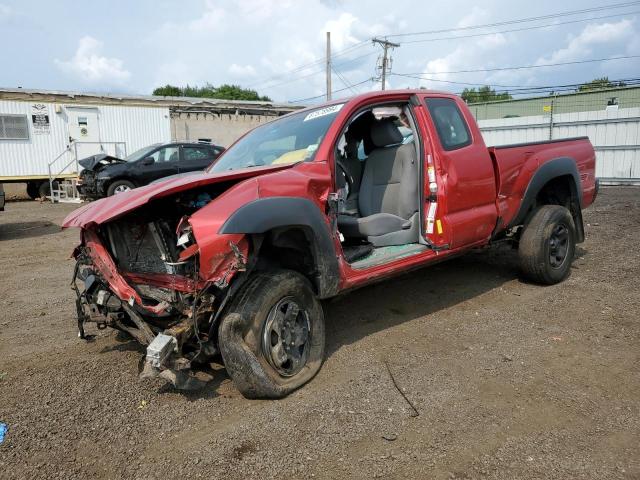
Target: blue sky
134,46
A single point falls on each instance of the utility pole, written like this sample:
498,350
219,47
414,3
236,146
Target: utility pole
328,74
386,45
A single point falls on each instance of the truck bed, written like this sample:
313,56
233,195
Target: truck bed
516,164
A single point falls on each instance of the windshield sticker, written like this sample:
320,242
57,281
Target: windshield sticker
323,111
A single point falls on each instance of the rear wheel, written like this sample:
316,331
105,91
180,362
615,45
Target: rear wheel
272,337
120,186
44,190
547,245
32,190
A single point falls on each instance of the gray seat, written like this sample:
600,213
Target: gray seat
388,200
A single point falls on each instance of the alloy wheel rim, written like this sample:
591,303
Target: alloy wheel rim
286,337
121,189
558,245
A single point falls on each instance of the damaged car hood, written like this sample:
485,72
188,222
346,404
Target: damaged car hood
110,208
90,163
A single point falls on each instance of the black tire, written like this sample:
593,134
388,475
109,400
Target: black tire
44,189
548,245
32,190
249,340
118,185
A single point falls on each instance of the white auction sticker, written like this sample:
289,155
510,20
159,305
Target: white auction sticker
432,210
323,111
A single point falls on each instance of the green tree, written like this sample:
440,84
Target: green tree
483,94
599,83
226,92
168,91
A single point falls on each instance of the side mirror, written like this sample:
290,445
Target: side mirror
148,161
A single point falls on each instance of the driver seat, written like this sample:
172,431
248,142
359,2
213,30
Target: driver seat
388,200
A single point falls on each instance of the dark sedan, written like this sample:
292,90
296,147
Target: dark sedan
104,175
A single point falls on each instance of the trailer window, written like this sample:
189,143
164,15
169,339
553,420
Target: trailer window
14,127
452,129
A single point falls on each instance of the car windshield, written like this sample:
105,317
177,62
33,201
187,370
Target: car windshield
290,139
143,152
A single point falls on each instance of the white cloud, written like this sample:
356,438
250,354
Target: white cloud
477,16
89,65
175,72
242,71
212,19
255,11
592,36
477,53
341,31
5,12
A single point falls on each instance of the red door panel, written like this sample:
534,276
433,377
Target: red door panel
467,174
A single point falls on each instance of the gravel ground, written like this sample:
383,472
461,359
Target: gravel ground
510,380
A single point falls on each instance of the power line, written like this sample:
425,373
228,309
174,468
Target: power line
343,80
317,72
299,68
456,37
519,20
562,88
513,88
524,67
334,91
354,47
451,81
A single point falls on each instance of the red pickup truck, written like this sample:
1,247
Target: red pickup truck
231,264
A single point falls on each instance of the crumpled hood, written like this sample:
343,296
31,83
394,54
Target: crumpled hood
90,163
110,208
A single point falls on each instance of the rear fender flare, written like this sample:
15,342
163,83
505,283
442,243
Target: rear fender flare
558,167
264,214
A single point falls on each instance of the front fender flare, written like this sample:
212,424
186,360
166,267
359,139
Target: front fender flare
264,214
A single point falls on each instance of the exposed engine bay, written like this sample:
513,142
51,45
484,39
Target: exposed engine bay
140,274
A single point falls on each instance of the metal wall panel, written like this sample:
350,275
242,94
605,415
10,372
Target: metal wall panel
136,126
614,133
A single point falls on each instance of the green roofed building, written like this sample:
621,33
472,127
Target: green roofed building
593,100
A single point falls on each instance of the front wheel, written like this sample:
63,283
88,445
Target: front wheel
120,186
272,336
548,245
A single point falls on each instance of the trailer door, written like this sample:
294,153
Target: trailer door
84,130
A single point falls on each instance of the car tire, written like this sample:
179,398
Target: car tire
272,335
32,190
44,189
547,245
119,186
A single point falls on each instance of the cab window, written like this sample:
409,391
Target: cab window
450,125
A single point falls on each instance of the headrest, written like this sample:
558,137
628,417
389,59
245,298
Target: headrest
384,132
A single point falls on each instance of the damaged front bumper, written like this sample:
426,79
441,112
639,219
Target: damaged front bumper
172,312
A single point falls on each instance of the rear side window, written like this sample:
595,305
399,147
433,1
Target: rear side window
195,153
452,129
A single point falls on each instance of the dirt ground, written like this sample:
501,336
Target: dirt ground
510,380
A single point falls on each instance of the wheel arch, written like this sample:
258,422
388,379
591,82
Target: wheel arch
278,218
556,182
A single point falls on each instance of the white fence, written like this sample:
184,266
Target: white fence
614,133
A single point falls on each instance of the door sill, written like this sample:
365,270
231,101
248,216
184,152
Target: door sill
384,255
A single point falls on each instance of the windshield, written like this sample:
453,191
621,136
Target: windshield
141,153
290,139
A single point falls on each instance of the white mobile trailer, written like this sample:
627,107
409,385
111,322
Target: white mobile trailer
38,127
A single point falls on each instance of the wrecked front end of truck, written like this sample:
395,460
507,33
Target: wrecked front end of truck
144,273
